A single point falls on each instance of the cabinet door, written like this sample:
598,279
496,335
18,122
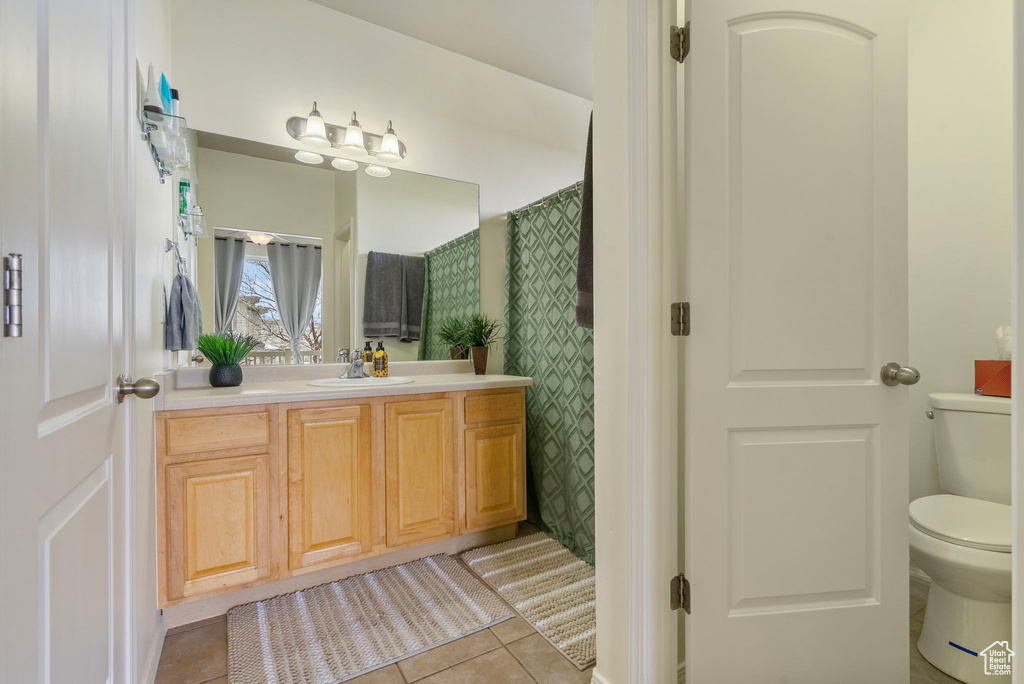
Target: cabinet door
420,469
329,480
218,524
495,476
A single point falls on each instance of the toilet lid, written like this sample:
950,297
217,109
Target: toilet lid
967,522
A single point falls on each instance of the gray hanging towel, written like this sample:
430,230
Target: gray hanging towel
585,261
393,296
183,322
412,298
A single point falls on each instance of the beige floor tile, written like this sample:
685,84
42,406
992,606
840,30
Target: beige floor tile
918,595
218,680
442,657
385,675
495,667
194,656
511,630
526,529
546,663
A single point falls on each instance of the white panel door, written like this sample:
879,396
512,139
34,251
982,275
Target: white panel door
64,134
796,455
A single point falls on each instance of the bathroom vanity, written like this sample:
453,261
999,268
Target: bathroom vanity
279,478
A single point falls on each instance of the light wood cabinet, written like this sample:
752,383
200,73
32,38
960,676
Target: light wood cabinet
252,494
329,482
420,471
218,524
495,475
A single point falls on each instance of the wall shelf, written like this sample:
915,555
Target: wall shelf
167,137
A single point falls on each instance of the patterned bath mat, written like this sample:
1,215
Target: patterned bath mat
548,586
337,631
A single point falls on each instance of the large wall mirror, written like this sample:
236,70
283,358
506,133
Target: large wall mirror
361,258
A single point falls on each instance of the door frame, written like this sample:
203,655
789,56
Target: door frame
636,228
1017,402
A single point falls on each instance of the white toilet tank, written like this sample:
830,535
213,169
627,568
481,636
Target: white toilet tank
972,444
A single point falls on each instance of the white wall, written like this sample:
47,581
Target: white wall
153,269
960,208
409,213
243,67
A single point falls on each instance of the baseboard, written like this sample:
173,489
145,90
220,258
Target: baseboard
681,672
148,672
596,678
917,573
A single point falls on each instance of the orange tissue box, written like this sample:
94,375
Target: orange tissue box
992,378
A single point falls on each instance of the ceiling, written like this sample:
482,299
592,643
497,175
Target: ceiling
548,41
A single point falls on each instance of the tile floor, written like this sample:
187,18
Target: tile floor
510,652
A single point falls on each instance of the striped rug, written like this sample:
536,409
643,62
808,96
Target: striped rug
337,631
548,586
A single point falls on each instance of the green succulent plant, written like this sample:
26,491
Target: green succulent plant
225,349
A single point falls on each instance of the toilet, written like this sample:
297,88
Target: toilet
962,539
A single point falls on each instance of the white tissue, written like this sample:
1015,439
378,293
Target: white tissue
1003,340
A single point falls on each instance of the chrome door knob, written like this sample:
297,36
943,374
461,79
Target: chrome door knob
143,388
894,374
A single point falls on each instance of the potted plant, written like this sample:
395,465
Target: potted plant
452,332
225,351
481,333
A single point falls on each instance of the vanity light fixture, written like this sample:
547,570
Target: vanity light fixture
389,149
377,171
344,164
260,238
354,136
316,131
307,157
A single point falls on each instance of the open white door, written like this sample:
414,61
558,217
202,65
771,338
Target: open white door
796,269
64,135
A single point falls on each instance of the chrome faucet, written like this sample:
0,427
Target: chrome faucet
342,355
355,368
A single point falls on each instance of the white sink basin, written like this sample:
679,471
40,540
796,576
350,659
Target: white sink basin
360,382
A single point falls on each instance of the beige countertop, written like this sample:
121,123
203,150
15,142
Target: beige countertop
181,389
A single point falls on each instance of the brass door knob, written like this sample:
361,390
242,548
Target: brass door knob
143,388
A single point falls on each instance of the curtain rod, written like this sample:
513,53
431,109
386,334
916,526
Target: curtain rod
575,186
451,242
250,242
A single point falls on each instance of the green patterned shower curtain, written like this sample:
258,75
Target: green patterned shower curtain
543,342
451,287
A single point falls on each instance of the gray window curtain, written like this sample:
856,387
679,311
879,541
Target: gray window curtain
295,274
228,262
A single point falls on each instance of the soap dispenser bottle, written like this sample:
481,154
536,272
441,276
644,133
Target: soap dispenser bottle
380,362
367,355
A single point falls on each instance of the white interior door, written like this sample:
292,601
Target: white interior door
796,455
63,162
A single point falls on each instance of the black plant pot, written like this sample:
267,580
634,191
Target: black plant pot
226,376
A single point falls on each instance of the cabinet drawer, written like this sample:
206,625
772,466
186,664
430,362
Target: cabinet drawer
487,408
240,429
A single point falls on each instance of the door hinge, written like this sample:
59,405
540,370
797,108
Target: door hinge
679,42
680,319
12,295
681,593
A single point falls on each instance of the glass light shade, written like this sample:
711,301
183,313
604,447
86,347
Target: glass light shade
260,238
389,150
378,171
354,137
309,157
344,164
316,131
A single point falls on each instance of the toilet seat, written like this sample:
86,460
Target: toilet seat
967,522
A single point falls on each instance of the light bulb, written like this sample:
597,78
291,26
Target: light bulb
316,131
260,238
390,151
309,157
378,171
344,164
354,137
